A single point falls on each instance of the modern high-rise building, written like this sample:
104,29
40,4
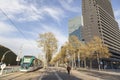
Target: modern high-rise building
75,27
99,20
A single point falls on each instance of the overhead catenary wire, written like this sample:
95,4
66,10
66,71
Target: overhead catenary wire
15,26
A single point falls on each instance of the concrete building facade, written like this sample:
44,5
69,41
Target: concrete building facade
99,20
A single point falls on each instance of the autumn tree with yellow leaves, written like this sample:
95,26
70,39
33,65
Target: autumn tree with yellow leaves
48,43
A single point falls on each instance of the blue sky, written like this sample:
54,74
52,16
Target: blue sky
32,17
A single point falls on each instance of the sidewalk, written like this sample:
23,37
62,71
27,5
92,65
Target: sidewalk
10,69
84,76
107,71
87,74
80,75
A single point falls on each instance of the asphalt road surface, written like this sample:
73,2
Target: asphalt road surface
53,73
41,74
101,75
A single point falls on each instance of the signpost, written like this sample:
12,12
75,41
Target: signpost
2,68
18,60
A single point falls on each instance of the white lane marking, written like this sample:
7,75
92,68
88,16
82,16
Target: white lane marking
59,78
41,76
43,73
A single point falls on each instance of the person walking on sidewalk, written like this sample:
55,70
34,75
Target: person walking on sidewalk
68,69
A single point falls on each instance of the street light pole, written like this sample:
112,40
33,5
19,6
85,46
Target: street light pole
4,55
19,54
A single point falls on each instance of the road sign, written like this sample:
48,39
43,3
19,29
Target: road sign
3,66
17,59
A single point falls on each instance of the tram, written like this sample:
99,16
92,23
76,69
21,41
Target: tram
30,63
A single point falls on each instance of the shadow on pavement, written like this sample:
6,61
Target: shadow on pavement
101,75
50,75
66,76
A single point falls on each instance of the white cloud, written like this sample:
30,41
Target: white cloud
28,47
62,38
117,16
30,13
70,1
67,4
117,13
55,13
118,20
58,34
11,5
6,28
19,11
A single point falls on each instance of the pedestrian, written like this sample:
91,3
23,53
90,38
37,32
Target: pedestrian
68,69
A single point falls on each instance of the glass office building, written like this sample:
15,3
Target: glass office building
75,27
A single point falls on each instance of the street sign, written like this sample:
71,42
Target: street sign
3,66
17,59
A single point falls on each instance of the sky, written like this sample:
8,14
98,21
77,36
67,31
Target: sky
21,22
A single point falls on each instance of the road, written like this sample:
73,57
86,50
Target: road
42,74
53,73
57,74
22,76
102,74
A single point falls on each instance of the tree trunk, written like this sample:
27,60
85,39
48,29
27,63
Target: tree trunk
90,63
74,61
98,60
84,63
78,60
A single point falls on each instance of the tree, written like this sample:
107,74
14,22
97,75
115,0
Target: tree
90,49
56,59
48,43
63,53
75,43
100,50
84,53
62,56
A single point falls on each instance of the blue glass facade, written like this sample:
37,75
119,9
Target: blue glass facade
75,27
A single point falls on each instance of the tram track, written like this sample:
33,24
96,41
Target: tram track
12,75
23,76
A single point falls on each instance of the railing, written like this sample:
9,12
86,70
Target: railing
10,69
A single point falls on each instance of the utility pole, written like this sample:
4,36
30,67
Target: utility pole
18,56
